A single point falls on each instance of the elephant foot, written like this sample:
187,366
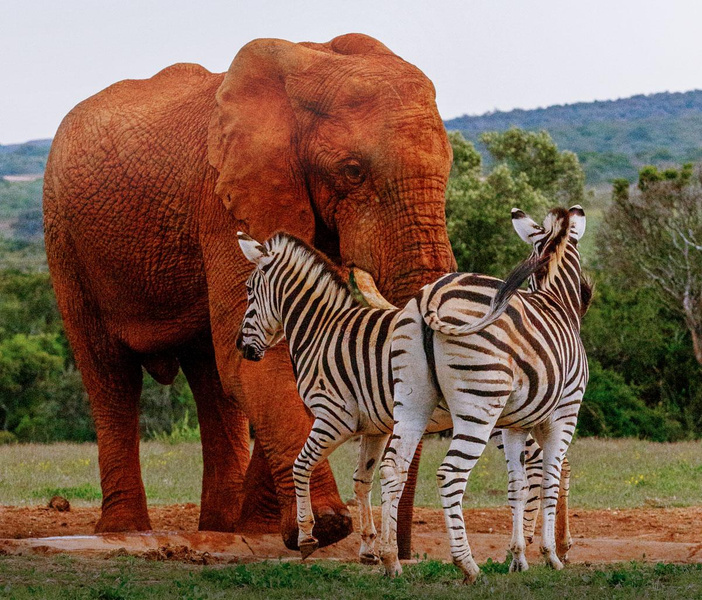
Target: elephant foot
331,524
116,522
216,521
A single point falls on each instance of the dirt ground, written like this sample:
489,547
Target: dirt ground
665,535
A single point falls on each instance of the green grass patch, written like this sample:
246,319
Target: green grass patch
79,578
87,491
622,473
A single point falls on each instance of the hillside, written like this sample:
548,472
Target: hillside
612,138
27,158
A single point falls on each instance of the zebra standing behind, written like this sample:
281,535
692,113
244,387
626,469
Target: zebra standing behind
499,358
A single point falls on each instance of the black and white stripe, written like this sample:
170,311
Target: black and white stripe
498,357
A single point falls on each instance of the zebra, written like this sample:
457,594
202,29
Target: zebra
340,352
498,357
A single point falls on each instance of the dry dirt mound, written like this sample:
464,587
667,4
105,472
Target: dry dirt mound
665,535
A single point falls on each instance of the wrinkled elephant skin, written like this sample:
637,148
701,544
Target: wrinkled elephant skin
146,185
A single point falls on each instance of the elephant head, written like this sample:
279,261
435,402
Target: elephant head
342,145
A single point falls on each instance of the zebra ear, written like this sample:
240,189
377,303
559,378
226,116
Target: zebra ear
253,251
527,229
577,221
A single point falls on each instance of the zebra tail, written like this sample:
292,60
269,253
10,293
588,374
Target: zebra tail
510,286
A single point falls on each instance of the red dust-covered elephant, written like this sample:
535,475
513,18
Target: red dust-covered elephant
147,183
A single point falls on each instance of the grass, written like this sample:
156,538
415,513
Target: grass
64,577
606,473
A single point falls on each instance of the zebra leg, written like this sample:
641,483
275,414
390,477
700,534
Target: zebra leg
534,469
371,451
321,442
514,441
554,440
470,435
412,410
393,476
563,539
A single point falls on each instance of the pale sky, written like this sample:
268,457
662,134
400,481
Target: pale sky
481,55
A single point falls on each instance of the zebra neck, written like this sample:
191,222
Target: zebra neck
310,306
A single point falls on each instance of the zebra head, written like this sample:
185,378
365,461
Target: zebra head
261,327
556,241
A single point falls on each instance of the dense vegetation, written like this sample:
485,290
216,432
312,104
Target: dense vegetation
612,139
645,380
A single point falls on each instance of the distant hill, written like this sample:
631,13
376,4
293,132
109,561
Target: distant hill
24,159
612,138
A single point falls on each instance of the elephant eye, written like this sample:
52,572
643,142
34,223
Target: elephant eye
353,173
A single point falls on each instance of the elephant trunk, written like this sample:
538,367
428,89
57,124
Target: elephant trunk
419,251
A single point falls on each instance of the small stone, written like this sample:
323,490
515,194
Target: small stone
60,504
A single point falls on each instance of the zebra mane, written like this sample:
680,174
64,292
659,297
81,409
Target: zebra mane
557,228
309,261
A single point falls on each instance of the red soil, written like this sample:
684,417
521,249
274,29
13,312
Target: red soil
672,535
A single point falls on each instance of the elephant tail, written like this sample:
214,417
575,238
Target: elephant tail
456,324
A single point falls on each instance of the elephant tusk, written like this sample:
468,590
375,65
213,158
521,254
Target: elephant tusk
362,283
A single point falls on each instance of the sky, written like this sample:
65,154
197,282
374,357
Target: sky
481,55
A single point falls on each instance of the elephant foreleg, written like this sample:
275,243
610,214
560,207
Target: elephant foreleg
260,509
224,430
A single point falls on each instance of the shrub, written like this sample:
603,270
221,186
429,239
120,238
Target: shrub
612,408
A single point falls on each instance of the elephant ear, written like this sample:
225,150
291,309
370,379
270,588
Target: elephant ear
251,141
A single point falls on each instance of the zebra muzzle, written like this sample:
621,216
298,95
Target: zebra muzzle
251,353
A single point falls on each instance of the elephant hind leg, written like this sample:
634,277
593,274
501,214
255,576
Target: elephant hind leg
112,377
114,393
224,430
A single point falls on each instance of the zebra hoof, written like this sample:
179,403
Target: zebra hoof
393,568
369,559
562,550
308,547
518,565
551,559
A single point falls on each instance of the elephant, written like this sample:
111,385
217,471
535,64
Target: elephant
147,183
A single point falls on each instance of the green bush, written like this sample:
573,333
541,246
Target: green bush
612,408
7,437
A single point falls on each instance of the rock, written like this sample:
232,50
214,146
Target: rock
60,504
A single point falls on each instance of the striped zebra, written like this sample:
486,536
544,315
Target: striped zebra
498,357
341,357
340,353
